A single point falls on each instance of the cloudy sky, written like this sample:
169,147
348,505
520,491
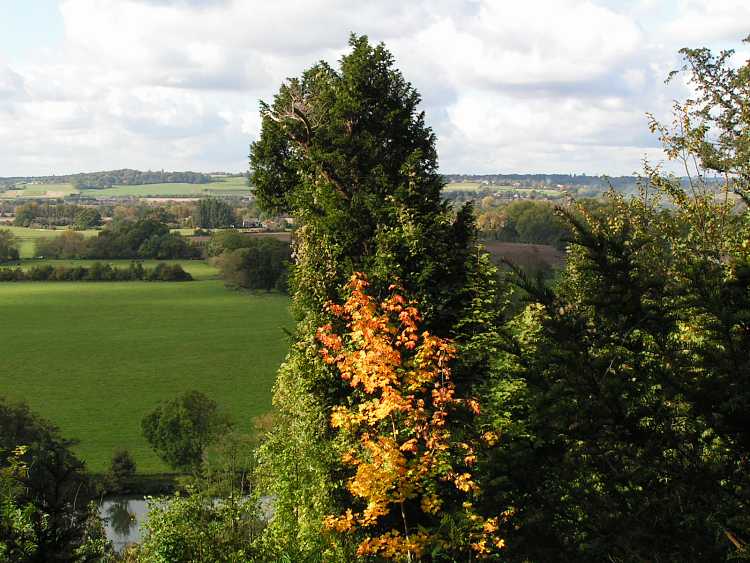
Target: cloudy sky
508,85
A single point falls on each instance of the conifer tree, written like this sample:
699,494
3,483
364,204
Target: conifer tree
347,151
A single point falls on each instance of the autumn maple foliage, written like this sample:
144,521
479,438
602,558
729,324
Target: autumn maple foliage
407,465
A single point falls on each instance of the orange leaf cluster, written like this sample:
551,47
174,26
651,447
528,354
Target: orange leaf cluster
403,447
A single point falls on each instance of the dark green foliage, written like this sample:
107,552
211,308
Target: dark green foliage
213,213
622,397
54,483
167,272
179,430
262,263
97,272
170,245
8,246
121,470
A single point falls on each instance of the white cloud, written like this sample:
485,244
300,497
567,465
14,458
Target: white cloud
509,86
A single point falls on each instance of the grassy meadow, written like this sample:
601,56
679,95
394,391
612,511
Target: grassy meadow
94,358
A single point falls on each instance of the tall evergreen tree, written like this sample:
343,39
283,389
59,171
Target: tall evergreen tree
348,153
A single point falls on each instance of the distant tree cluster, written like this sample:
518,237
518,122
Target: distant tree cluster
48,215
258,263
128,177
143,238
534,222
95,273
213,213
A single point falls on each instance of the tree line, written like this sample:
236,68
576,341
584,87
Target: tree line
96,272
128,177
140,239
48,215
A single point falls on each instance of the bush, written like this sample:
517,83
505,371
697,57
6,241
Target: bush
167,272
180,430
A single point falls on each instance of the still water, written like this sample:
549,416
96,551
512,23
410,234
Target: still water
124,515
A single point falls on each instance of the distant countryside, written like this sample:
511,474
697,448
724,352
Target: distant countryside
480,292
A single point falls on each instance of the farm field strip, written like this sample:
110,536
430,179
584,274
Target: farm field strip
228,186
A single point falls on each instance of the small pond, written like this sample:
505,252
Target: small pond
124,515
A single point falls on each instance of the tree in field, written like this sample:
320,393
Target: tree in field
179,430
213,213
347,152
622,393
87,218
8,246
121,469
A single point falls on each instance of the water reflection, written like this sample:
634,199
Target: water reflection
123,517
120,518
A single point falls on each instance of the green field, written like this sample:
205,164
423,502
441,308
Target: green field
94,358
225,186
28,237
40,190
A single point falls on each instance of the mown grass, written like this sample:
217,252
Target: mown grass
94,358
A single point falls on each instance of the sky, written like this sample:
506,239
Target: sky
509,86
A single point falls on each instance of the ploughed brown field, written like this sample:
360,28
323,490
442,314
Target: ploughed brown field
525,255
